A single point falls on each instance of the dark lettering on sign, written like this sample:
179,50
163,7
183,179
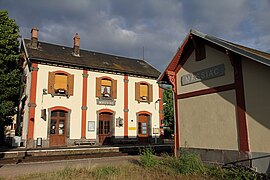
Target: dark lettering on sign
110,102
204,74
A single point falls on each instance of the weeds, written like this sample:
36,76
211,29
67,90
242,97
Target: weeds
147,158
187,166
105,172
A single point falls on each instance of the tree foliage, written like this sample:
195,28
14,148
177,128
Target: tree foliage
168,107
10,72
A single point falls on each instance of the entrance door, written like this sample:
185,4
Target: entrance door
104,128
143,131
58,128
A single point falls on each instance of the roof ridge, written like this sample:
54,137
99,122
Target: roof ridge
254,54
86,50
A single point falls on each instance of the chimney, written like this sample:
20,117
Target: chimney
34,38
76,48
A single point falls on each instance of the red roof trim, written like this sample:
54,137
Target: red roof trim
174,62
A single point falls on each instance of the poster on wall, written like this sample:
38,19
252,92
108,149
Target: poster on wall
91,126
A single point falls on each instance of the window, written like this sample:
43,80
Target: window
106,87
143,92
60,83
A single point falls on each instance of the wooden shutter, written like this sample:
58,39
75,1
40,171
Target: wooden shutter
51,80
137,91
98,87
70,84
114,89
150,93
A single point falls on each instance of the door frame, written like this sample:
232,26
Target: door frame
112,122
67,122
149,122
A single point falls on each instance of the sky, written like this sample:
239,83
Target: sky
149,29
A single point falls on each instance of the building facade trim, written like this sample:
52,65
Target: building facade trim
206,91
84,104
33,91
126,105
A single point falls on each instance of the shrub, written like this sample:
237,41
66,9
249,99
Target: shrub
187,163
190,163
168,133
147,158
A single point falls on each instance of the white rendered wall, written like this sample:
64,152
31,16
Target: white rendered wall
135,107
73,103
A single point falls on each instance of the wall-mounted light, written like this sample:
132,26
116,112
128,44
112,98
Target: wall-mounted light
45,91
159,99
119,122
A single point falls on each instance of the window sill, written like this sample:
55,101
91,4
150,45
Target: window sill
144,101
60,95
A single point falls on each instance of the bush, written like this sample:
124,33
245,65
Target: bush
187,163
168,133
190,163
147,158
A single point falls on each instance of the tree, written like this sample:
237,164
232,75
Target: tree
168,107
10,72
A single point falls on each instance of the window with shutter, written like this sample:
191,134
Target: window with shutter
114,89
143,92
60,83
106,88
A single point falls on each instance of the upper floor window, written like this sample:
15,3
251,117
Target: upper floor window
106,87
143,92
60,83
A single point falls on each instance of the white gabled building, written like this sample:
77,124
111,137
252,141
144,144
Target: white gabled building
76,96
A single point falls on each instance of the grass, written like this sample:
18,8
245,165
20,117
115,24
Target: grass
187,166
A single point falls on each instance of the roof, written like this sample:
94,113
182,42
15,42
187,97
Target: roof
256,55
253,54
56,54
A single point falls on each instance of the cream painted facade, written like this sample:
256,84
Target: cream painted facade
207,121
26,93
74,103
257,96
213,58
224,115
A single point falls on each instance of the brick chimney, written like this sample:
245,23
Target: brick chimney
76,48
34,38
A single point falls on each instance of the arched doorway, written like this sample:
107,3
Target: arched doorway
58,128
105,127
143,128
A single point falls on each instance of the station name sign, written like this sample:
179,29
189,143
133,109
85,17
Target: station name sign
109,102
204,74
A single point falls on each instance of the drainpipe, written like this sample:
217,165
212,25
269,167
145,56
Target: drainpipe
174,115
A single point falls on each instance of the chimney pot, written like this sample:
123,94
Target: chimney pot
34,38
76,48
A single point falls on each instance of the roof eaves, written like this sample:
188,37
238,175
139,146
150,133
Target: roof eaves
180,48
24,47
85,66
232,48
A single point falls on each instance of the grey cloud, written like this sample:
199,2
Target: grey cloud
125,27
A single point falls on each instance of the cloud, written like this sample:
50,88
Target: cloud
124,27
